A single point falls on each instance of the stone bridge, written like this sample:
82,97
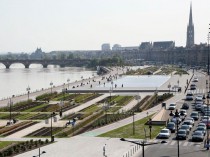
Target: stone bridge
45,63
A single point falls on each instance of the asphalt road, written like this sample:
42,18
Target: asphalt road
187,148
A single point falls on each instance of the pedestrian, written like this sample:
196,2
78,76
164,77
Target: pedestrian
104,84
122,85
207,145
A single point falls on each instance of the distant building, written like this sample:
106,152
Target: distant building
105,47
38,54
116,47
163,45
145,46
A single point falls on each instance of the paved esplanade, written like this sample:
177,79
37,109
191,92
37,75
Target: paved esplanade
84,145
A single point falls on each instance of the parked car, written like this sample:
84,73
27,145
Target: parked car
200,128
193,87
189,96
172,106
185,106
181,134
188,122
186,127
195,79
183,112
164,133
175,120
194,115
171,126
190,119
202,124
198,107
197,136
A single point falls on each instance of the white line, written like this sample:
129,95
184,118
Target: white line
173,142
185,144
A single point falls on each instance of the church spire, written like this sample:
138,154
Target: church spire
190,30
190,18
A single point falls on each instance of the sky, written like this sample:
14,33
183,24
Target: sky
87,24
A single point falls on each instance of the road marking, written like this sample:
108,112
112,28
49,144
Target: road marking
185,144
173,142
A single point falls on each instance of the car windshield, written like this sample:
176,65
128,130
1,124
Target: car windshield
189,94
198,133
187,123
172,105
194,114
181,132
184,127
200,128
170,125
164,131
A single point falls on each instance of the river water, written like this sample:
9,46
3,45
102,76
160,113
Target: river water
15,80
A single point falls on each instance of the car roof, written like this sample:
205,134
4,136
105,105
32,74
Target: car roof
165,129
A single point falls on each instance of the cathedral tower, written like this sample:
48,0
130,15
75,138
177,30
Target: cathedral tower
190,31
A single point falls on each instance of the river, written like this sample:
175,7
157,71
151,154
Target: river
15,80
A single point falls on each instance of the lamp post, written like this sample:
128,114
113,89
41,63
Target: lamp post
51,84
177,125
82,80
68,80
143,143
105,109
112,84
10,103
28,90
40,153
52,116
169,86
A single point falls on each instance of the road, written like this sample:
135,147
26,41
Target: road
187,147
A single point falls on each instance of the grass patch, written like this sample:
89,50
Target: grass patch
127,130
4,144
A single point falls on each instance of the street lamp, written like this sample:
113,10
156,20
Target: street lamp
112,83
68,82
177,125
169,86
10,103
110,92
40,153
51,84
28,90
143,143
52,116
82,80
105,109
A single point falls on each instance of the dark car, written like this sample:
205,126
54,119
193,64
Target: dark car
171,126
182,134
194,115
185,106
197,136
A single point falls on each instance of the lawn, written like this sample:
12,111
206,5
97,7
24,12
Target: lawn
127,130
4,144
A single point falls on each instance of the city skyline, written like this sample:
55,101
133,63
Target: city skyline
86,25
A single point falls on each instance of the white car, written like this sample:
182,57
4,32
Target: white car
172,106
164,133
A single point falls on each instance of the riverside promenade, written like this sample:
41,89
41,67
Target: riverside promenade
87,144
